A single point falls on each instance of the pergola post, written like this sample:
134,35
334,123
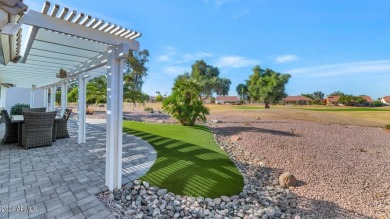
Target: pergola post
64,97
32,98
114,117
81,108
46,98
53,98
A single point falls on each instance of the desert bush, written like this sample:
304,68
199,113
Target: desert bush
378,103
387,126
17,108
147,109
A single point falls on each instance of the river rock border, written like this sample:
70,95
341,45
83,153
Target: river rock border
261,196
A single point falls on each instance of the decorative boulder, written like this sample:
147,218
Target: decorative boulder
286,180
235,138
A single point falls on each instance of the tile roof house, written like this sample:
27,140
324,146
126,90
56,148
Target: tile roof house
332,100
296,100
386,100
367,98
227,99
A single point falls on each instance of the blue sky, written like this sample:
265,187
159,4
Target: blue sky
325,45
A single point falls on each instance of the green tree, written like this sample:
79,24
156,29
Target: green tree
208,78
318,95
135,69
337,93
267,85
159,98
97,90
185,103
58,96
134,76
73,95
242,91
308,96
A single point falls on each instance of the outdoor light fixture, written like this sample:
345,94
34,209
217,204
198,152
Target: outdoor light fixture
62,74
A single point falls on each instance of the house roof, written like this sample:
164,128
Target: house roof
333,98
367,98
227,98
296,98
387,99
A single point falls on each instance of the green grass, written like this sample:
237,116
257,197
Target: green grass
352,109
189,162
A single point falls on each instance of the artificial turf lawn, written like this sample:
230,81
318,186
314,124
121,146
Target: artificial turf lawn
189,162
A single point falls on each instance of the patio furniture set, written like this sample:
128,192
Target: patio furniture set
35,127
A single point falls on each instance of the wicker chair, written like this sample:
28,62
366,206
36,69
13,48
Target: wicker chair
37,129
11,129
62,125
39,110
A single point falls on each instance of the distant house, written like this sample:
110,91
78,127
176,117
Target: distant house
332,100
386,100
296,100
369,100
206,100
227,99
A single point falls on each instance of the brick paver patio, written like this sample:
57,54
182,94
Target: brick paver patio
62,181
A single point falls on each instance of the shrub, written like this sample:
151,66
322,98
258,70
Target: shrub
184,104
378,103
387,126
17,108
147,109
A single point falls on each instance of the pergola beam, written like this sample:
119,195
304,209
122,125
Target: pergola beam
32,33
37,19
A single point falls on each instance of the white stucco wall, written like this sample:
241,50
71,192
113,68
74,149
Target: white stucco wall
39,98
16,95
3,92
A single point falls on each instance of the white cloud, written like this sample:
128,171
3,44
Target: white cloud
194,56
241,13
235,62
351,68
286,58
174,70
169,52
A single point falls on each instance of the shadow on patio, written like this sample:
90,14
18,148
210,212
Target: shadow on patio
62,180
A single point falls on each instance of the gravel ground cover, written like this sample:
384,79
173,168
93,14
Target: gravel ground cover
343,170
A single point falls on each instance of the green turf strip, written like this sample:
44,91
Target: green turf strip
189,162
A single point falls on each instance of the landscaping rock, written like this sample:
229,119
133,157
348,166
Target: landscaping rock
286,180
235,138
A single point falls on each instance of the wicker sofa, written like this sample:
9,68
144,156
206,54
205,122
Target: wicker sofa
40,109
11,129
37,129
62,125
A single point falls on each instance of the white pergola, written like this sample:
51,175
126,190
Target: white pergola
60,39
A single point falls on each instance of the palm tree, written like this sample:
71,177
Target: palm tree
185,103
97,90
242,90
